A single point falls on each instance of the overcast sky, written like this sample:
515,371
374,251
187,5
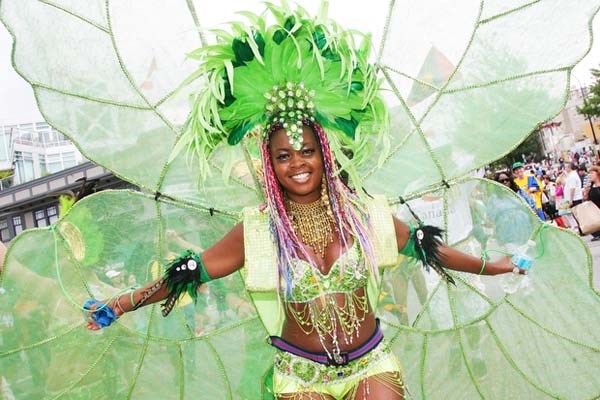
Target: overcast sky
17,104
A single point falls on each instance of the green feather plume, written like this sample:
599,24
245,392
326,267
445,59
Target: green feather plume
247,62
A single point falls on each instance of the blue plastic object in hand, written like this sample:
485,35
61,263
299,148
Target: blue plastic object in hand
522,261
103,315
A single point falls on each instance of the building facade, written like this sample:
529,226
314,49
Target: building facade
34,204
569,130
33,150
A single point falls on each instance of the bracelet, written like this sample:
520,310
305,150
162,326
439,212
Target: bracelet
484,260
103,314
118,304
132,300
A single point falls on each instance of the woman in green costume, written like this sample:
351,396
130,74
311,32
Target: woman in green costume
328,339
311,269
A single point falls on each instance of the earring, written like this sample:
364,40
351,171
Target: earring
325,196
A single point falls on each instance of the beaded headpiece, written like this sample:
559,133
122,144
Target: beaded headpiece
289,105
299,68
300,71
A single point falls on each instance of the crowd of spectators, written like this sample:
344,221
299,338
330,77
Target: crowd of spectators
553,186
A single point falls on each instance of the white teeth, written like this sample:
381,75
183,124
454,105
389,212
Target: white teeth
301,177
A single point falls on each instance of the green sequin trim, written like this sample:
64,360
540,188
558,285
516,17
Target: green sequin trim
310,283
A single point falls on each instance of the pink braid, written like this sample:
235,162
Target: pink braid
343,202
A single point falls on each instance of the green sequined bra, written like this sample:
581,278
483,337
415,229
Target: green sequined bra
347,274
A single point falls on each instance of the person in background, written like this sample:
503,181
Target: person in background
593,194
505,179
550,207
583,175
573,192
531,185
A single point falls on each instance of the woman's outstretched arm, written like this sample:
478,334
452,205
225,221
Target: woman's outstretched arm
457,260
222,259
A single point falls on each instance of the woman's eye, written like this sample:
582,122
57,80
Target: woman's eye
308,152
283,157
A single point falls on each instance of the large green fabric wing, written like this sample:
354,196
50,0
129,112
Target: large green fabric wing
107,242
465,82
489,337
107,75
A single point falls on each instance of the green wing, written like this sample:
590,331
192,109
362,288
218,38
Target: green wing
477,340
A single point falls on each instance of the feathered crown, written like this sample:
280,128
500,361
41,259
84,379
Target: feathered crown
300,67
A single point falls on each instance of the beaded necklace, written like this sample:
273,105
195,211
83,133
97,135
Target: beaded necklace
313,222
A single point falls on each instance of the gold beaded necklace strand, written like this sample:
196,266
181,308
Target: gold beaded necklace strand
313,222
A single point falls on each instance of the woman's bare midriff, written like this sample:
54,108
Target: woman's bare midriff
294,334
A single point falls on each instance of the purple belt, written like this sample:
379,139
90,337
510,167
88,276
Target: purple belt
335,359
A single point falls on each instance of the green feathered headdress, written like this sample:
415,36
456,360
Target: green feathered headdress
299,67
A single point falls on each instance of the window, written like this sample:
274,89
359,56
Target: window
43,167
52,213
17,224
4,232
24,166
53,163
46,136
69,159
4,146
40,218
45,216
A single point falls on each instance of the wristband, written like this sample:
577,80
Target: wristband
104,315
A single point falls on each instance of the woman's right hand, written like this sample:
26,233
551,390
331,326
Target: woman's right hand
102,318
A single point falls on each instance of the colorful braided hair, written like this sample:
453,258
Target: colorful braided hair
349,212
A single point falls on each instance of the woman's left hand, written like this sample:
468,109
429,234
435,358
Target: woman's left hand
504,265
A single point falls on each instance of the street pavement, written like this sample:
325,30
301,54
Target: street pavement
595,249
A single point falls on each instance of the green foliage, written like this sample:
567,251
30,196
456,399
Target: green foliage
6,173
591,106
531,147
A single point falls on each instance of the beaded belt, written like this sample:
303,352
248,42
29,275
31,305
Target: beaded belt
333,358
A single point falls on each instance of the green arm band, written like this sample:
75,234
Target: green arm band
409,249
184,275
204,276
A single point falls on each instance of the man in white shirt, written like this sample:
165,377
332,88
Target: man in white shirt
573,192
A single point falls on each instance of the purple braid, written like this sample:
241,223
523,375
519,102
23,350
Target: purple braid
349,213
288,243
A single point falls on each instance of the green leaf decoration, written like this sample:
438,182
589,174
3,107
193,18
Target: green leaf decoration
238,133
242,51
279,36
347,126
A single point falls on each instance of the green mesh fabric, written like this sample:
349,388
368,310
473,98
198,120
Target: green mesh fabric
465,82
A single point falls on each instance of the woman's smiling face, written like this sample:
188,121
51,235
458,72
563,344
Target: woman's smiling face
298,171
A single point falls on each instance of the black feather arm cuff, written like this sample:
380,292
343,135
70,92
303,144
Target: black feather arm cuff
184,275
423,244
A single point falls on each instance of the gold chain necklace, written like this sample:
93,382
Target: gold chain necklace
313,222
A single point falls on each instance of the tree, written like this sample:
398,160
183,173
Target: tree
591,104
531,147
